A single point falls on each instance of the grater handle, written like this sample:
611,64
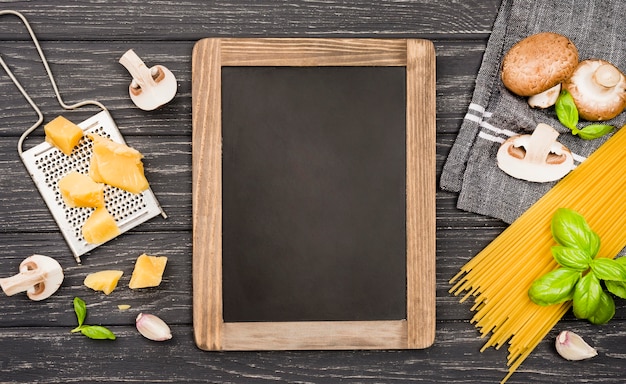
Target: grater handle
50,76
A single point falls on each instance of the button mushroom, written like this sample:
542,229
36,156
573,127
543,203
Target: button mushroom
151,87
40,276
537,64
537,157
598,89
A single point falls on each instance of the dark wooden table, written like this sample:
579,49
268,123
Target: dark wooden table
83,41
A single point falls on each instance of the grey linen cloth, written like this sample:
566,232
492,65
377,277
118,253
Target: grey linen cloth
598,30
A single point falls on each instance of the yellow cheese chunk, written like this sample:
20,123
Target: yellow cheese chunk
104,281
148,271
117,164
79,190
100,227
63,134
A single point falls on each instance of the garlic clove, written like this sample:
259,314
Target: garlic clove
573,347
152,327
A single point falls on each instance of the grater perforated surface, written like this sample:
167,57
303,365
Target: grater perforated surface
46,165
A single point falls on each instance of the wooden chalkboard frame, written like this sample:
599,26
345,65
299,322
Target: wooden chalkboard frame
210,330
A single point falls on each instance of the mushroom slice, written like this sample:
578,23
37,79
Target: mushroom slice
598,89
40,276
538,63
152,87
537,157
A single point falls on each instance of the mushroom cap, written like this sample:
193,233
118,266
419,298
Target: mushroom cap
538,63
537,157
598,89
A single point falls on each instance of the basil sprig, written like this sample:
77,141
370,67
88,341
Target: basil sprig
91,331
567,113
582,273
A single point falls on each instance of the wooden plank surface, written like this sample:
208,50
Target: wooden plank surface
83,41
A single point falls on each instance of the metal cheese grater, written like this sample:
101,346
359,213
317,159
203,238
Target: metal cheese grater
47,164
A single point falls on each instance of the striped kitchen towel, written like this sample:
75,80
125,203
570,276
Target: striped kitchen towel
496,114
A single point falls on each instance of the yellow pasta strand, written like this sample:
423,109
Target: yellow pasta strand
498,278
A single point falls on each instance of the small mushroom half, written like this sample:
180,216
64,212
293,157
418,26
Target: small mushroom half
598,89
537,157
545,99
536,66
40,276
150,88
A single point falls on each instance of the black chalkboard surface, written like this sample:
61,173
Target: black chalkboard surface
314,193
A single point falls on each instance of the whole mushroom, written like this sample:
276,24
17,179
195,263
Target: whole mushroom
598,89
536,66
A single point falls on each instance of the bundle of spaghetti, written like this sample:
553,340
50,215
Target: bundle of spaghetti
498,278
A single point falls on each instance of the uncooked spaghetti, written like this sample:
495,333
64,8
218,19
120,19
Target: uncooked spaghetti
498,278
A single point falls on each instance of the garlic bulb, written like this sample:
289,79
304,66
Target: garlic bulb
573,347
152,327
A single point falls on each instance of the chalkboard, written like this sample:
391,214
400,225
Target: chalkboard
313,193
313,177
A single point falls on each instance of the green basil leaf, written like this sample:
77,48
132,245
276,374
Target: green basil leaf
97,332
81,310
593,131
621,260
618,288
587,296
554,287
593,245
608,269
570,229
571,257
605,310
566,110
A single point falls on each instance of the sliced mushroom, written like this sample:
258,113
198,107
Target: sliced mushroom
598,89
537,157
150,88
538,62
40,276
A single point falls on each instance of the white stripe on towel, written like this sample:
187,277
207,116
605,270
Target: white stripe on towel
474,118
489,137
497,130
476,107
